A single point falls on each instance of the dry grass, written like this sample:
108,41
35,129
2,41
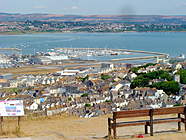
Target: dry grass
38,69
28,70
74,128
10,128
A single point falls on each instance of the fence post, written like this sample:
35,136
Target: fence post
46,112
18,123
1,124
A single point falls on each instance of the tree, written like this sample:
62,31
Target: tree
135,69
158,75
182,76
166,76
105,77
151,75
143,79
139,81
170,87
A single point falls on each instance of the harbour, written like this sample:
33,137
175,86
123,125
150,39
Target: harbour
100,51
172,43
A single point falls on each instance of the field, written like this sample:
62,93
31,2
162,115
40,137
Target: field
28,70
65,127
46,69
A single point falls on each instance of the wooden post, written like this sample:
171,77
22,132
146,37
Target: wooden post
18,123
1,124
109,128
46,112
146,129
179,123
151,122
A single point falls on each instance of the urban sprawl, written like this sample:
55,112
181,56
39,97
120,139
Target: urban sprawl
90,90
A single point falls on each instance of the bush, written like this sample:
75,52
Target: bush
178,105
87,105
69,99
84,95
83,79
15,90
108,101
105,77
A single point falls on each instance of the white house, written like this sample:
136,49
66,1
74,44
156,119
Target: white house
133,75
33,106
178,66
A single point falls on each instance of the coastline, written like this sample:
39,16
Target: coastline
23,33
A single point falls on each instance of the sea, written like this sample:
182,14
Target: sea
172,43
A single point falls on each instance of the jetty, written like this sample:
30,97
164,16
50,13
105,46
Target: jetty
159,58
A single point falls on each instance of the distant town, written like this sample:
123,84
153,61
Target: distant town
33,23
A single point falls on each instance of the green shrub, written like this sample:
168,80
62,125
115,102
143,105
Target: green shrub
84,95
87,105
105,77
178,105
108,101
69,99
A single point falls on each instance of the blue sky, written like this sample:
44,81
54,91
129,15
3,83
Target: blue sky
91,7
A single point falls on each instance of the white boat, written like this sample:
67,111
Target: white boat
126,53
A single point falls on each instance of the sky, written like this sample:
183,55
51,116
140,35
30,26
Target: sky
95,7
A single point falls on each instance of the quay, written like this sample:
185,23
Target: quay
141,58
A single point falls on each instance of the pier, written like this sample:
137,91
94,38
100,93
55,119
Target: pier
159,59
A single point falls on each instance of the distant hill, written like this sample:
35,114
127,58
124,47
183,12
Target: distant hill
137,19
